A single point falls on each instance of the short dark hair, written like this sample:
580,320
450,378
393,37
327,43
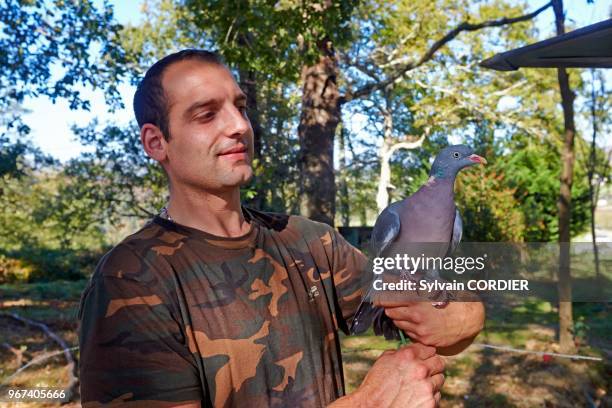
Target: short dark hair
150,102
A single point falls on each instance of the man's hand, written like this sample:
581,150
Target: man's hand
450,329
409,377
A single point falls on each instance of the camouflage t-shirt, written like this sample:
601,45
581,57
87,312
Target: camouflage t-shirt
175,314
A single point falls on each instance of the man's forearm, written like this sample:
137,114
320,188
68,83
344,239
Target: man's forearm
473,323
450,329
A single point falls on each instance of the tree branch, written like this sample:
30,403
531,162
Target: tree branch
407,145
464,26
72,379
463,102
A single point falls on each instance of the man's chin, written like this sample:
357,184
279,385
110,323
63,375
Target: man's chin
247,179
242,176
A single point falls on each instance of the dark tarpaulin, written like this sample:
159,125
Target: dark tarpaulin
587,47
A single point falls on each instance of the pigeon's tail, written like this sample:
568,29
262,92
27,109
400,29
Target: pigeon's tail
368,315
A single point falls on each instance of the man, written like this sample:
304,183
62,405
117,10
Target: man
212,303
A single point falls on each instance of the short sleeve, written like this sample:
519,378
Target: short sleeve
348,267
131,346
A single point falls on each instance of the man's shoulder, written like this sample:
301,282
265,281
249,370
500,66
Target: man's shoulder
138,255
297,231
281,222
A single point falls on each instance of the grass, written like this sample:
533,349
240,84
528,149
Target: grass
58,290
481,377
56,305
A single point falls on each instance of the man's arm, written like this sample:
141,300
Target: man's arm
409,377
450,329
131,347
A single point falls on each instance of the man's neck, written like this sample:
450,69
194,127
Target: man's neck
217,213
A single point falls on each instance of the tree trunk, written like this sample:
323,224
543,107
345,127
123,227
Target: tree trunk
343,182
248,83
566,321
384,181
318,121
387,149
591,174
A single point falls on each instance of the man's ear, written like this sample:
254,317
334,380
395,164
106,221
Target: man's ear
153,141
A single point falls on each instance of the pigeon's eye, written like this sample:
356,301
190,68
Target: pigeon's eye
456,155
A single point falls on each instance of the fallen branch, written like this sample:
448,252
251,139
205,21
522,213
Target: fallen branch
73,380
34,361
17,352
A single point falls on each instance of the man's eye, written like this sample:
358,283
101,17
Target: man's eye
243,109
205,116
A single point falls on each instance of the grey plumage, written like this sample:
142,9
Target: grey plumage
425,223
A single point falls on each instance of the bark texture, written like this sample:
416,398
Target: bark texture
319,118
248,84
566,321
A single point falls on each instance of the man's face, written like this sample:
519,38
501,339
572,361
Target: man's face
211,139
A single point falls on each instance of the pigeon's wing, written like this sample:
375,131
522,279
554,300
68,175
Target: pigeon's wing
368,315
386,229
364,315
457,233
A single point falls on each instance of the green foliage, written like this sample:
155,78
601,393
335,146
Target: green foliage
272,37
53,47
489,209
276,172
532,170
118,177
167,27
57,290
11,157
47,233
17,157
514,198
361,183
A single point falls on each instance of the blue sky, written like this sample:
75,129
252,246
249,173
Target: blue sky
50,123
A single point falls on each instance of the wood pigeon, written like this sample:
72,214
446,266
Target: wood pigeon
426,223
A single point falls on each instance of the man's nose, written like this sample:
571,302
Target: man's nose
236,122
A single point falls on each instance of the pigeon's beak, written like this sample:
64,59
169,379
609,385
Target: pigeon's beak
477,159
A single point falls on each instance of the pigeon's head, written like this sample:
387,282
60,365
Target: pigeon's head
452,159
